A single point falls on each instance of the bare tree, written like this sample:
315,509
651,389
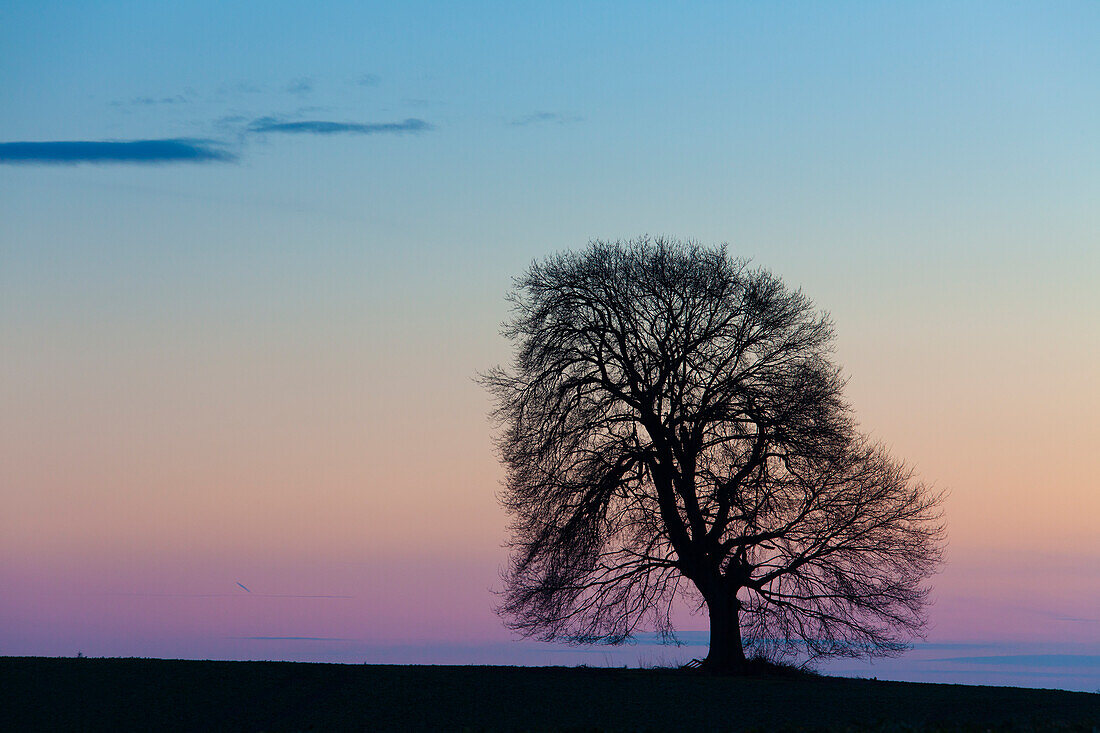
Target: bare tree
673,425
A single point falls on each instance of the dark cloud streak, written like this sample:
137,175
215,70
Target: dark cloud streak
322,127
536,118
141,152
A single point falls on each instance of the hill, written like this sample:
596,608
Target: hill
169,695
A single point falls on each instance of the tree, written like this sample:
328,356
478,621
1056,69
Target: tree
673,425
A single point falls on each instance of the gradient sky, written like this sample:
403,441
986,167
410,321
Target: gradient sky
253,255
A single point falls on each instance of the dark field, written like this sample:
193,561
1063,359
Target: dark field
163,695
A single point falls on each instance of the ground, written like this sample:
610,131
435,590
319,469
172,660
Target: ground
166,695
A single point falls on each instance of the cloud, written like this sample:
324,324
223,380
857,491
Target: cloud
321,127
146,101
228,595
682,638
140,152
291,638
949,645
300,86
231,121
368,80
1076,619
1032,660
297,595
538,118
236,90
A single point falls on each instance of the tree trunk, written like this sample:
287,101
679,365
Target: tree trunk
727,653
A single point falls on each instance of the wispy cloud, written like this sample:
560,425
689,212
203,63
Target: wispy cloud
230,122
146,101
140,152
1034,660
934,645
542,118
301,86
233,91
369,80
291,638
681,638
323,127
231,595
297,595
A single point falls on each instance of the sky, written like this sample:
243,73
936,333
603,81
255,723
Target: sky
253,256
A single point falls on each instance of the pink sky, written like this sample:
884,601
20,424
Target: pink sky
145,476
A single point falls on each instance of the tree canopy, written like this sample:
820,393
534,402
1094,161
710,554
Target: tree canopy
673,426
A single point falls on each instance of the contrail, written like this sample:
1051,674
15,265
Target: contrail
242,585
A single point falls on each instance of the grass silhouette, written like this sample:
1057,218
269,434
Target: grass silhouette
170,695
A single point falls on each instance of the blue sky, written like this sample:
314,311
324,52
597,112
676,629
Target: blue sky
716,121
251,256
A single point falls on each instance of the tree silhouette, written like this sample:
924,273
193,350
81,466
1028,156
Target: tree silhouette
673,425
